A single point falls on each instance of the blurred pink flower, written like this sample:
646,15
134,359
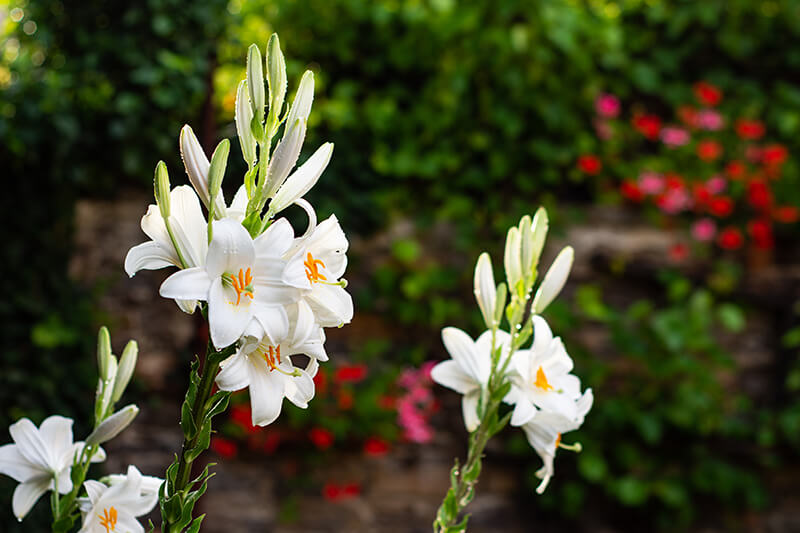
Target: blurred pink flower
710,120
673,136
716,184
704,230
603,129
413,421
607,105
674,200
651,183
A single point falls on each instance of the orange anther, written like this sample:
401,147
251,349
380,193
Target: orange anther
272,355
242,285
541,380
312,270
108,519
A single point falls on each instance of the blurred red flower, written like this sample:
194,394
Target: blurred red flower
272,441
376,447
242,416
631,191
321,437
351,490
774,155
730,238
345,400
749,129
321,383
701,194
689,116
709,150
387,402
787,214
223,447
647,125
350,374
331,492
759,195
720,206
707,94
761,233
678,252
589,164
735,169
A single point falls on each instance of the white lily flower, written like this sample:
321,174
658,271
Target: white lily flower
468,371
197,165
485,288
189,228
40,459
322,256
544,435
242,279
114,508
543,380
265,366
554,280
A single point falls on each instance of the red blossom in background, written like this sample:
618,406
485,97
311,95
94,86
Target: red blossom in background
631,191
689,116
648,125
758,195
787,214
761,233
730,238
678,252
709,150
223,447
376,447
707,94
321,438
321,383
720,206
589,164
345,400
735,169
350,374
774,155
749,129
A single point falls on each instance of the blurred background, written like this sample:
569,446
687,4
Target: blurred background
661,136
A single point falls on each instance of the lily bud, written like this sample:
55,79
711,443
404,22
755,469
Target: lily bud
302,179
105,390
285,156
104,356
485,290
255,83
197,168
538,235
216,171
113,425
161,186
301,105
525,242
276,78
127,364
500,302
554,280
512,259
243,118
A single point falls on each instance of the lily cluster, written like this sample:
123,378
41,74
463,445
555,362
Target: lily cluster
267,293
46,459
495,369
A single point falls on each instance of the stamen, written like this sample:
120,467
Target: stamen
243,284
312,270
108,519
577,447
272,355
541,380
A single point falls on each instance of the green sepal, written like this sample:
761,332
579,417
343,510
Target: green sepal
203,441
217,404
64,524
498,425
187,421
195,527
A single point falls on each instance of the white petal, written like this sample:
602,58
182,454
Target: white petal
539,233
275,240
238,207
274,321
304,327
27,494
149,255
128,524
187,306
542,336
300,390
449,374
30,443
462,349
153,226
266,393
231,249
301,181
294,273
197,165
329,244
243,116
301,105
469,409
524,411
63,480
512,258
226,320
332,305
17,466
188,284
94,489
190,223
56,431
554,280
234,374
285,156
485,288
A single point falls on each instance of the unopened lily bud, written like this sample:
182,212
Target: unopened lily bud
500,302
105,390
127,363
301,105
285,156
525,245
244,117
104,355
485,289
276,77
255,82
554,280
512,260
216,171
538,235
113,425
161,186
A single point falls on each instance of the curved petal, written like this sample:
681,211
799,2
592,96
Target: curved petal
554,280
462,349
524,411
56,431
187,218
302,179
302,317
13,464
63,480
231,248
226,320
329,244
234,373
27,494
238,207
94,489
188,284
275,240
30,443
187,306
542,335
266,393
285,155
469,409
332,305
128,524
149,255
294,273
274,320
449,374
153,226
300,390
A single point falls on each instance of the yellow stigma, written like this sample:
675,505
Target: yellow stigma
242,284
312,270
109,519
541,380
